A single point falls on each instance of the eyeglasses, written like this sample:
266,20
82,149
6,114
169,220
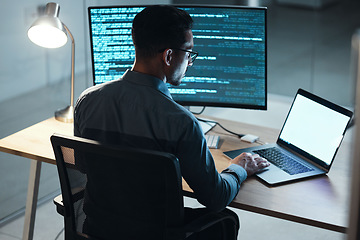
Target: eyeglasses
192,56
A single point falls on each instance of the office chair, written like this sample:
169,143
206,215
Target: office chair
147,193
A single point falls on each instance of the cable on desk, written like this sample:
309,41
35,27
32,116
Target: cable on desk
198,113
217,123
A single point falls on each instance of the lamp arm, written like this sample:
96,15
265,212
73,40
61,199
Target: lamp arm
72,65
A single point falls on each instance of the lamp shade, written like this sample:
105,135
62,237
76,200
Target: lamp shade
48,31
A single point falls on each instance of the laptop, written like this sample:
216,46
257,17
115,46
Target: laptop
307,143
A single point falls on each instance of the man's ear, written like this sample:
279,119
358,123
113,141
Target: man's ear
168,56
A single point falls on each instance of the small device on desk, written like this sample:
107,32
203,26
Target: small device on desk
249,138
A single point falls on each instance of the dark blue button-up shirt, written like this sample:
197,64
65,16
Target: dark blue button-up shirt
138,111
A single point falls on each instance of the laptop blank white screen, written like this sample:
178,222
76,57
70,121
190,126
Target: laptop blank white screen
314,128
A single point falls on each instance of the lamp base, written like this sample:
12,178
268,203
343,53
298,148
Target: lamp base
65,115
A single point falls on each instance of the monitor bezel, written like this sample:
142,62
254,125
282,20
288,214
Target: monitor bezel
195,103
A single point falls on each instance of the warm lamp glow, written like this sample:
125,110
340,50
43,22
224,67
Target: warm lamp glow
47,36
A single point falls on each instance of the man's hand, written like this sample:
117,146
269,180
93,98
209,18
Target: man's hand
251,163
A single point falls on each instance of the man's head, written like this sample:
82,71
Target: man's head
163,43
157,28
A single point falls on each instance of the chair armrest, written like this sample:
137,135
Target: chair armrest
59,205
78,194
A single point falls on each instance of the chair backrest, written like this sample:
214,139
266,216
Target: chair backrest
130,193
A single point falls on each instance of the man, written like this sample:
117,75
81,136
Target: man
138,111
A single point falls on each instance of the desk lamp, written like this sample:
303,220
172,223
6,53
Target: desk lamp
49,32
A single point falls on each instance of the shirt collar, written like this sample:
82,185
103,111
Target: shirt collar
147,80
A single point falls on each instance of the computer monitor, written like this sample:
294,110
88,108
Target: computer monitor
230,71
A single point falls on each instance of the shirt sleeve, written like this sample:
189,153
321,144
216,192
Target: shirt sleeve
212,189
237,171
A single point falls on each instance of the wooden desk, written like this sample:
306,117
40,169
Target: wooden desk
320,202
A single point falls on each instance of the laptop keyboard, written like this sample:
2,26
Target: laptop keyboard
283,161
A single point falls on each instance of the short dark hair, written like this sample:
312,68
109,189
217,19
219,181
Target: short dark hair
159,27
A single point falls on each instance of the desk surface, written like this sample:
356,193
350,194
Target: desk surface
34,142
320,202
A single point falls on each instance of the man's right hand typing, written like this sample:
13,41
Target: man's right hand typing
251,163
